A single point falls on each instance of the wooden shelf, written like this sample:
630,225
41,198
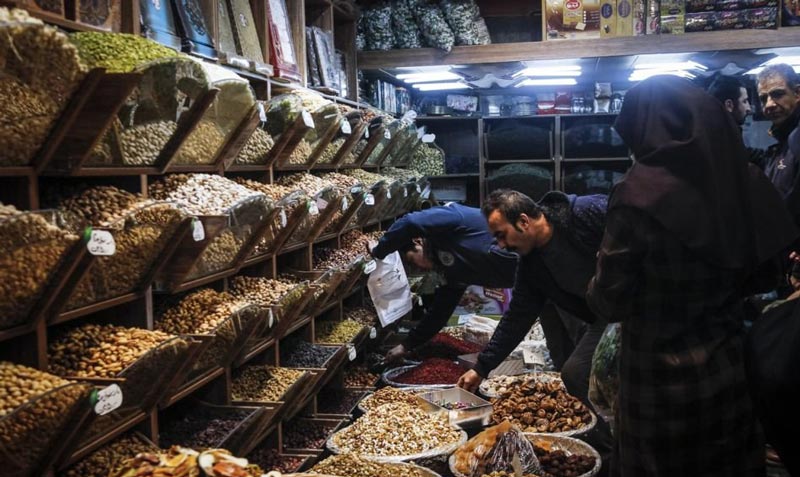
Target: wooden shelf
545,50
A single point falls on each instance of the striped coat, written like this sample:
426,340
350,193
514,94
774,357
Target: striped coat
683,404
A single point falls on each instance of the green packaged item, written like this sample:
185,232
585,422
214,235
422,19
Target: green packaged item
604,377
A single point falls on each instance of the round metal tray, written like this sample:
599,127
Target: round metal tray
569,445
411,389
436,452
389,375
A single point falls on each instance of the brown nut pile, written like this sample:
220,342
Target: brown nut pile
387,395
326,258
305,181
263,383
275,192
396,429
503,473
359,377
366,177
336,332
399,174
184,462
364,316
99,206
557,463
300,154
108,458
260,290
100,351
537,406
356,241
7,211
220,253
200,312
256,149
342,181
353,466
201,194
31,248
19,384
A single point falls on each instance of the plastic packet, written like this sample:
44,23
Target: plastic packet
406,32
604,377
435,30
378,27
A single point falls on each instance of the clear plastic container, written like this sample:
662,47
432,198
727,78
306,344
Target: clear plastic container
354,271
232,105
34,248
374,201
256,150
382,148
140,239
350,205
32,433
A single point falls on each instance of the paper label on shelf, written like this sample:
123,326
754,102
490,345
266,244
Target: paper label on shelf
366,133
370,266
405,192
351,352
262,115
410,115
346,129
198,231
101,243
313,209
283,218
389,194
428,138
373,333
322,204
307,119
345,204
271,318
387,134
420,132
369,199
107,399
419,191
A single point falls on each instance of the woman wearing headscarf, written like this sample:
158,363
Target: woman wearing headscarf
687,229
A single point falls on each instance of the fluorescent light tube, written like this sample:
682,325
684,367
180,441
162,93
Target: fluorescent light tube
683,65
566,70
428,77
758,70
440,86
640,75
789,60
547,82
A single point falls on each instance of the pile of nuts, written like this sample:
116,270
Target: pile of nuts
366,177
399,174
256,149
270,459
99,206
306,434
353,466
312,184
142,143
202,431
428,160
330,151
375,154
338,332
300,153
557,463
388,395
279,195
396,429
108,458
339,402
503,473
200,312
31,248
359,377
537,406
302,354
342,182
220,253
364,316
100,351
327,258
500,385
19,384
185,462
275,192
263,291
118,52
201,194
263,383
201,145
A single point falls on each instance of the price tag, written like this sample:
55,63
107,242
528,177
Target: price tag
107,399
322,204
312,208
370,266
101,243
271,318
345,205
198,231
307,119
346,129
373,333
405,192
428,138
389,194
283,218
351,352
387,134
369,199
262,114
419,191
366,133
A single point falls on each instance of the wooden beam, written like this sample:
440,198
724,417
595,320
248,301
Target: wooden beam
545,50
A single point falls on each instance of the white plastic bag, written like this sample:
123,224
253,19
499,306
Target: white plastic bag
388,286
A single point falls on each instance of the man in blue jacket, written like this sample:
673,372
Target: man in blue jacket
455,242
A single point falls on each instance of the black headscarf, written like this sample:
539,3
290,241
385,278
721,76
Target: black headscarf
691,175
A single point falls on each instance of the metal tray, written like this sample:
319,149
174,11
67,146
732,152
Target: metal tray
477,415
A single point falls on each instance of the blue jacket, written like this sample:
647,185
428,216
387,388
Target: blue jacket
461,246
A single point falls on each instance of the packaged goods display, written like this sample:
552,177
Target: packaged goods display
41,71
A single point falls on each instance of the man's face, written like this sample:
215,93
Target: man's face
741,109
417,257
521,241
777,99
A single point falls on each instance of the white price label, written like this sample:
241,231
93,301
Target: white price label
405,192
346,129
108,399
389,194
283,218
307,119
370,266
418,189
198,231
345,204
262,114
271,318
369,199
312,208
387,134
351,352
428,138
101,243
373,333
366,133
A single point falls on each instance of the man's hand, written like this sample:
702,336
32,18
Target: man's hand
396,354
470,381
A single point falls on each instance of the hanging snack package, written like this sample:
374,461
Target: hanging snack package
432,24
378,26
40,71
406,32
463,16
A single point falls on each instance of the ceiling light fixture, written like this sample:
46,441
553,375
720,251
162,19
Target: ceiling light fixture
440,86
566,70
428,76
547,82
793,61
675,66
640,75
758,70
